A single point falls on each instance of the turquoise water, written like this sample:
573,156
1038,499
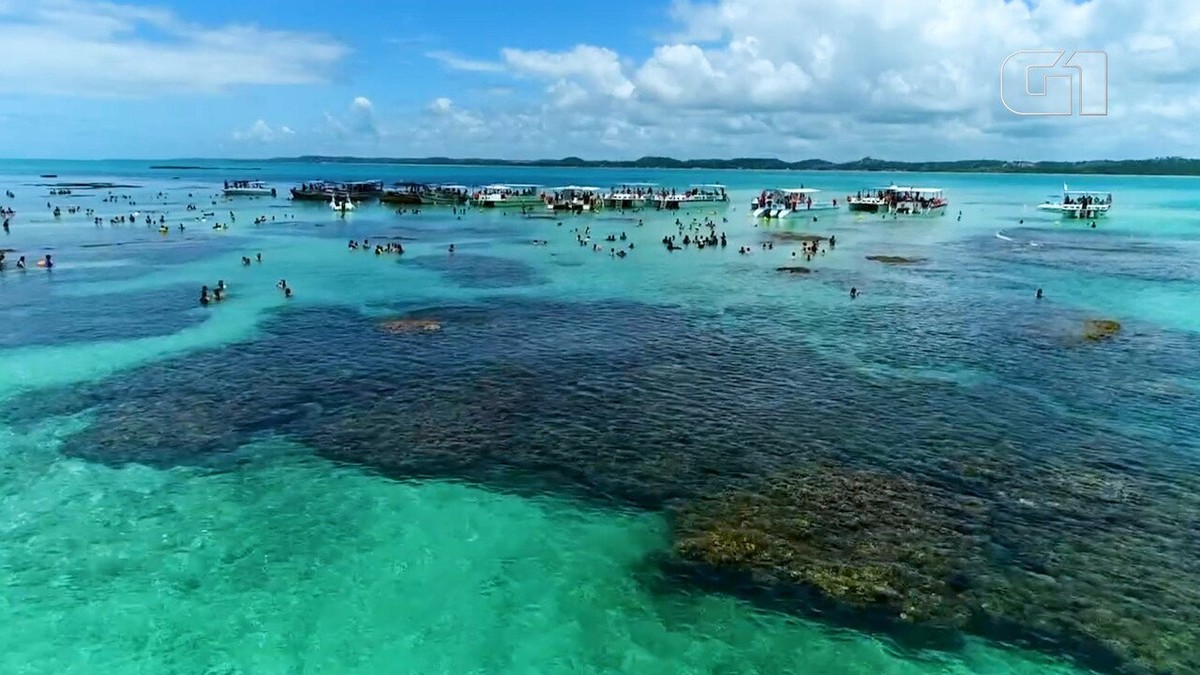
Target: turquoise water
278,485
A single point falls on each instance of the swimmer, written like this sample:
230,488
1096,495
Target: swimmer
259,257
282,284
47,263
1039,294
287,292
853,293
21,263
452,248
204,296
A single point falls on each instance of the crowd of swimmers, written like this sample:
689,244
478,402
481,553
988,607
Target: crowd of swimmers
390,247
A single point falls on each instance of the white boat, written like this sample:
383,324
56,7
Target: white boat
341,203
247,188
781,203
710,194
508,196
914,201
573,198
900,201
631,196
870,200
1080,203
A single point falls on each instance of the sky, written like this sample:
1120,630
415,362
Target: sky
911,80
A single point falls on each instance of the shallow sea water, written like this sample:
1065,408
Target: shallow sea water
274,486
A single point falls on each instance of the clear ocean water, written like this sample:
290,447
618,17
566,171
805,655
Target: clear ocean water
272,485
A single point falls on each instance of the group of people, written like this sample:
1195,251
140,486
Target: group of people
46,263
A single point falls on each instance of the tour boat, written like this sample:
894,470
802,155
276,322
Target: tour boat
247,188
870,200
404,194
1080,203
900,201
781,203
912,201
630,196
573,198
453,195
509,196
319,191
696,195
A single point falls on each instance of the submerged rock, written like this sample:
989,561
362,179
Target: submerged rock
895,259
794,270
410,325
1100,329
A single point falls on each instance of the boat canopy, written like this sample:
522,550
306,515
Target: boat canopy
709,185
927,191
575,187
800,191
452,187
1087,192
638,185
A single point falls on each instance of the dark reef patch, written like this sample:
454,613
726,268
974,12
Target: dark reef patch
480,271
1016,510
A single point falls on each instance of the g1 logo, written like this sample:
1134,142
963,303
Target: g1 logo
1041,82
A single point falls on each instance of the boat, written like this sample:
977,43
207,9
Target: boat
455,195
509,196
574,198
696,195
900,201
319,191
781,203
914,201
247,188
869,200
1080,203
405,194
630,196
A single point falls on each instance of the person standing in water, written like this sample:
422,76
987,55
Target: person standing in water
1039,294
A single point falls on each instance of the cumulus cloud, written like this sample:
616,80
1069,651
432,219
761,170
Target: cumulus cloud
358,122
918,79
84,48
262,132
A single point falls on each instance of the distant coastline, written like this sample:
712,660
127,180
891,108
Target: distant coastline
1161,166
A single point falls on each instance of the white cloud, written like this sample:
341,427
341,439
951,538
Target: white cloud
918,79
84,48
358,122
261,132
456,62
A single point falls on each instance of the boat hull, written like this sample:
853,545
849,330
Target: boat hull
249,192
1075,213
510,203
867,207
402,198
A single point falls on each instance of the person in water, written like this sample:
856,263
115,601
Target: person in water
21,263
204,296
287,292
1039,294
853,293
47,263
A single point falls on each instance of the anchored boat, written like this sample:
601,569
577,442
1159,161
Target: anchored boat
697,195
320,191
247,188
901,201
781,203
574,198
509,196
630,196
1080,203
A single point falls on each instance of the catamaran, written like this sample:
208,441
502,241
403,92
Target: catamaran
630,196
781,203
696,195
247,188
1080,203
573,198
507,196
